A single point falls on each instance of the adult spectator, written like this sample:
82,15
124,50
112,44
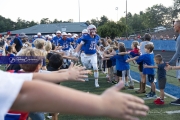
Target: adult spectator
17,42
176,56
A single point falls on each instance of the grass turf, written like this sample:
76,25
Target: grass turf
156,112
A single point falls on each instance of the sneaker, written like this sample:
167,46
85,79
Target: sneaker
49,117
176,102
86,79
126,84
114,82
96,83
152,95
131,87
156,100
159,102
148,94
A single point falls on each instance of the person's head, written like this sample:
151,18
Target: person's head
177,26
92,30
121,44
49,38
58,33
48,46
64,35
85,31
149,48
69,35
116,43
9,49
26,45
39,43
55,61
147,37
35,54
102,48
109,41
158,59
115,48
122,48
39,34
135,45
104,42
110,49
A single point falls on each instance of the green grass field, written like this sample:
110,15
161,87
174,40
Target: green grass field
155,113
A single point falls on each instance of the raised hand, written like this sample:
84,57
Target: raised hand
121,105
77,73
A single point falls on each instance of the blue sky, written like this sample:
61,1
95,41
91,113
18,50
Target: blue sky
69,9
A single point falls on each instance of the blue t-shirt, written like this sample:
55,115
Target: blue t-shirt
65,43
90,43
56,40
121,63
113,59
147,59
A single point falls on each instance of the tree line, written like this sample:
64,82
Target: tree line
157,15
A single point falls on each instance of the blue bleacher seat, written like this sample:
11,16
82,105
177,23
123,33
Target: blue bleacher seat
10,116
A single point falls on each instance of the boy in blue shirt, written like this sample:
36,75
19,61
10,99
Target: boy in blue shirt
161,74
147,59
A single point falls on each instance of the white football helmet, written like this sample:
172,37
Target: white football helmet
85,31
91,29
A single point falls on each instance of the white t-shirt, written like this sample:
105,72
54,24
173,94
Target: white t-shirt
10,85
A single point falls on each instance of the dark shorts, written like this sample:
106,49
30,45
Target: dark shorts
109,63
150,78
162,83
141,67
119,73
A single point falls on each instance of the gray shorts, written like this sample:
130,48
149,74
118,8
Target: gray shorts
178,71
162,83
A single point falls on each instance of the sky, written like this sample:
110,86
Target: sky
69,9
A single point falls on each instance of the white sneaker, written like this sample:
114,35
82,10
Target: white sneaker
86,79
49,117
126,84
96,83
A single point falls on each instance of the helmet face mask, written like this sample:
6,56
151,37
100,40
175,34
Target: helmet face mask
91,30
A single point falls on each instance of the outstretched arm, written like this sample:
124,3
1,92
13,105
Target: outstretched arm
132,59
148,66
34,96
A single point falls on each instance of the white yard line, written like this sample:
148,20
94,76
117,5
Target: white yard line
159,91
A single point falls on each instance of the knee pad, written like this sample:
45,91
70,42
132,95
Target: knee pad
96,75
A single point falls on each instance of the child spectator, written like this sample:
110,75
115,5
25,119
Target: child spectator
161,74
148,59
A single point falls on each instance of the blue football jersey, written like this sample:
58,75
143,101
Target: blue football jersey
90,43
65,43
56,40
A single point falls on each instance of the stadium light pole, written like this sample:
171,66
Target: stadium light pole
79,9
126,20
117,13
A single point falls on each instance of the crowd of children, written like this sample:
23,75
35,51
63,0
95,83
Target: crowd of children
109,56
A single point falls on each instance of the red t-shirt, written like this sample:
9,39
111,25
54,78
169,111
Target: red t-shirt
23,116
135,51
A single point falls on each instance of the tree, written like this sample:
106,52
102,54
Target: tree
111,29
176,8
45,21
57,21
103,20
